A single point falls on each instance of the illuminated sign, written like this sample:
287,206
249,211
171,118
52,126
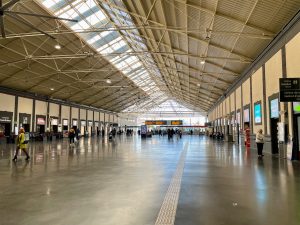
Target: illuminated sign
74,122
65,122
155,122
41,121
274,108
257,113
54,121
176,122
246,116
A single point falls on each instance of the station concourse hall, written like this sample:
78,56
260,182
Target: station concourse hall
149,112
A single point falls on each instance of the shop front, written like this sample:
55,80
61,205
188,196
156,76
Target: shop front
83,130
40,124
6,126
54,124
75,124
25,121
65,127
90,128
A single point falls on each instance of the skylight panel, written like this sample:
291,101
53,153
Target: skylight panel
94,39
83,24
109,43
49,3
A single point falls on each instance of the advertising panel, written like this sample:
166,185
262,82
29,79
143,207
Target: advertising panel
257,113
144,129
274,108
246,116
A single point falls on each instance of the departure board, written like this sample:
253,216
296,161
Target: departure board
176,122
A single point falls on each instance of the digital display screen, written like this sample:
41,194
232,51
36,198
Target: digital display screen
296,107
246,116
155,122
176,122
274,108
257,113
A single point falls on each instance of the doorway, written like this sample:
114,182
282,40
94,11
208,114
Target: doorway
55,129
26,127
274,135
40,129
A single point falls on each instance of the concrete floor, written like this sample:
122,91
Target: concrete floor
124,182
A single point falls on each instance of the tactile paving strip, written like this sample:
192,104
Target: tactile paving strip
167,213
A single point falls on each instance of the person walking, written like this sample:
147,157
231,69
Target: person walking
21,144
260,142
71,136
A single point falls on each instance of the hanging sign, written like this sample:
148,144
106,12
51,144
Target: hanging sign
289,89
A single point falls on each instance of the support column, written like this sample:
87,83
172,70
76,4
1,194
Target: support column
70,118
16,112
251,108
264,98
33,116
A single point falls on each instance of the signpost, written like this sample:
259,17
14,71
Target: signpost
289,89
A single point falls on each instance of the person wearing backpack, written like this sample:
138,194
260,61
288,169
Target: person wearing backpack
21,144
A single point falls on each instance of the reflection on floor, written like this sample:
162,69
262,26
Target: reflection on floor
125,181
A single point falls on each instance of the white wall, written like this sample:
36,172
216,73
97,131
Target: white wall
74,113
54,110
102,117
65,112
7,103
82,114
90,115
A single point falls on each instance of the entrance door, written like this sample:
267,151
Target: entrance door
55,128
7,129
26,127
274,135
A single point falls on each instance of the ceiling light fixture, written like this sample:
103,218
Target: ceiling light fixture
108,81
198,84
57,46
202,61
52,89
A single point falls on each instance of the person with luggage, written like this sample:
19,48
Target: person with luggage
21,144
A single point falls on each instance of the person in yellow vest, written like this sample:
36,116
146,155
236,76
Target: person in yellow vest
21,144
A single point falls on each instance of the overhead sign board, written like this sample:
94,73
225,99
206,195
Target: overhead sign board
155,122
289,89
176,122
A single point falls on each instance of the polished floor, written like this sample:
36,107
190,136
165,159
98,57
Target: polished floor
129,181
